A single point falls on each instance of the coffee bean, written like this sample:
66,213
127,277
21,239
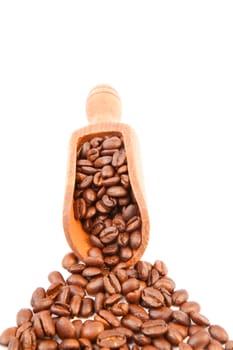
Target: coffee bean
53,290
229,345
89,272
83,151
179,297
111,249
142,340
152,297
161,343
7,334
69,260
138,311
88,170
102,161
165,283
143,269
94,261
87,307
85,343
78,327
109,202
69,344
125,253
123,239
80,208
112,260
111,284
86,182
195,328
199,319
109,317
112,143
92,154
130,285
84,162
39,293
102,208
111,339
42,304
120,309
154,328
75,305
116,191
190,306
96,242
91,329
23,315
112,299
65,328
181,317
214,345
199,339
132,322
218,333
76,290
183,330
47,344
118,158
184,346
96,141
135,239
174,336
133,224
109,234
77,280
43,324
89,195
163,313
107,171
60,309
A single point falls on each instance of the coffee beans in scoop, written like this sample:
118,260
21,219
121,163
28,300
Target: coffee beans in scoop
103,199
100,307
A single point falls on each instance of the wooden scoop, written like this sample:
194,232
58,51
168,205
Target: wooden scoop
103,108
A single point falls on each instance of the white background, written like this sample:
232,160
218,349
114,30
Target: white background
172,64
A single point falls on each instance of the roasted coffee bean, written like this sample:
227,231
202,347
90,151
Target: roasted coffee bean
47,344
23,315
184,346
102,208
89,195
88,170
133,224
199,319
161,313
141,339
154,328
161,343
111,249
103,321
85,344
123,201
112,299
153,277
84,162
199,339
214,345
77,268
229,345
23,328
125,180
39,293
99,301
60,309
135,239
109,234
97,179
69,344
102,161
78,327
179,297
138,311
118,158
181,317
111,339
54,289
112,260
132,322
7,334
75,305
112,143
218,333
161,267
190,306
174,336
129,211
86,182
65,328
121,274
123,239
42,304
143,269
96,242
92,154
90,272
107,171
43,324
194,329
76,290
120,309
109,202
152,297
125,253
96,141
91,329
116,191
109,317
80,208
111,284
69,260
165,283
83,151
87,307
56,277
77,280
130,285
133,297
94,261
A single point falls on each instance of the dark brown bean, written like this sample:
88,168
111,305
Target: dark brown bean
161,344
123,239
111,284
43,324
87,307
174,336
111,339
112,299
130,285
77,279
77,323
162,313
109,234
135,239
54,289
125,253
179,297
152,297
86,182
97,180
80,208
65,328
133,224
120,309
85,344
23,315
117,191
42,304
199,319
138,311
89,195
165,283
75,305
47,344
88,170
218,333
195,328
96,242
118,158
39,293
7,334
91,329
60,309
102,208
111,260
69,344
181,317
96,141
154,328
109,317
89,272
143,269
94,261
92,154
102,161
107,171
190,306
199,339
112,143
109,202
111,249
141,339
76,290
132,322
84,162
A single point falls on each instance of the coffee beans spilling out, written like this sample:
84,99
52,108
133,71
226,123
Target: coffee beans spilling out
100,307
104,201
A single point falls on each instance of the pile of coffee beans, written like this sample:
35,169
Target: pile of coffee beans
104,201
97,307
